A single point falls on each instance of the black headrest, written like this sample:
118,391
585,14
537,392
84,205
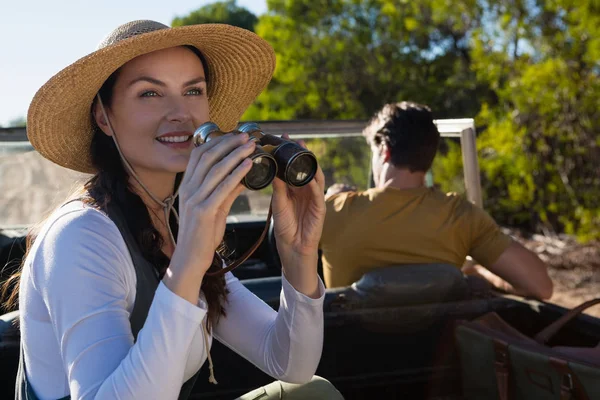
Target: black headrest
403,285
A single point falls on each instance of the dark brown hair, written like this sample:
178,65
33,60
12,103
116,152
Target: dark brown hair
409,131
110,185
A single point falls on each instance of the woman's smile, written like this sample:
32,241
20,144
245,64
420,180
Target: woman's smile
176,140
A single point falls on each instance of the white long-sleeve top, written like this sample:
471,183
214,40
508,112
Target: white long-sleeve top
78,289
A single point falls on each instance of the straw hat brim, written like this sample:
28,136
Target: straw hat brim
59,125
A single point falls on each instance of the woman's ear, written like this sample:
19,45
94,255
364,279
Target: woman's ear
100,118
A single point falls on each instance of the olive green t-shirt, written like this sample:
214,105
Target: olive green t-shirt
381,227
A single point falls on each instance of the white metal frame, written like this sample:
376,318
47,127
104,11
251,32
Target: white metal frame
463,128
15,141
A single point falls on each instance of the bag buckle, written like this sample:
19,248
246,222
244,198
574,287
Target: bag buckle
567,382
502,357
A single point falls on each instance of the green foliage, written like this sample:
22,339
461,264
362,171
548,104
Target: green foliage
343,160
447,169
225,12
540,151
527,69
346,58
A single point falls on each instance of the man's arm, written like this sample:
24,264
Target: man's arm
519,271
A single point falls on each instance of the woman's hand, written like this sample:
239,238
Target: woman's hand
298,216
210,185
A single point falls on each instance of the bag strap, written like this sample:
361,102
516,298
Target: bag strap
502,368
548,332
249,252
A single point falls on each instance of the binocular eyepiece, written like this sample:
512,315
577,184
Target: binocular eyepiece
273,156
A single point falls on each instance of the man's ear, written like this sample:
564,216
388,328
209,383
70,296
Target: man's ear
100,118
386,153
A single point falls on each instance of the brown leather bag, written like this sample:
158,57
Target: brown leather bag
499,362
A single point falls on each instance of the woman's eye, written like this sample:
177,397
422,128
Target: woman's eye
149,93
195,92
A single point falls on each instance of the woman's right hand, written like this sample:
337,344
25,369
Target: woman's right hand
210,186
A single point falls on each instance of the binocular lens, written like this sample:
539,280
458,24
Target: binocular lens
273,156
262,173
301,169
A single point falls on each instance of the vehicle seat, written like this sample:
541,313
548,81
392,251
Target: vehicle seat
9,328
12,251
401,285
10,337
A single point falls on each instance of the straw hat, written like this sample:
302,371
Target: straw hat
59,125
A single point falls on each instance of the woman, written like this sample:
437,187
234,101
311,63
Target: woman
114,295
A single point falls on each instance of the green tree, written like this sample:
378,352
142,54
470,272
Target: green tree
541,147
343,160
223,12
345,58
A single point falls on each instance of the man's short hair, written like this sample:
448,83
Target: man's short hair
408,130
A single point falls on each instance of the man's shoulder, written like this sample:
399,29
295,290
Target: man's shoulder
454,198
454,204
461,207
342,211
342,200
450,196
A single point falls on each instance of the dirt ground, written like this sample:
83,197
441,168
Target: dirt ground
31,186
574,267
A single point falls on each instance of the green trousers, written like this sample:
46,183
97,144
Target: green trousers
317,389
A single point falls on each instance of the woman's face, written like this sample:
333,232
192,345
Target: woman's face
158,100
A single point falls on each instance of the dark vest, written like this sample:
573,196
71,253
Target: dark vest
147,283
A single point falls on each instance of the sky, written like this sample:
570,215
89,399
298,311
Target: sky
38,38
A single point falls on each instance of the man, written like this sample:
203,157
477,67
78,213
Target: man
401,221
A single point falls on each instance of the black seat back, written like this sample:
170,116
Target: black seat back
402,285
12,251
10,337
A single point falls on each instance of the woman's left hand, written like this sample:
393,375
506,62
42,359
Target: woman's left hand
298,216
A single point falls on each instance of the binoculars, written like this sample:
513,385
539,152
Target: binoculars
273,156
